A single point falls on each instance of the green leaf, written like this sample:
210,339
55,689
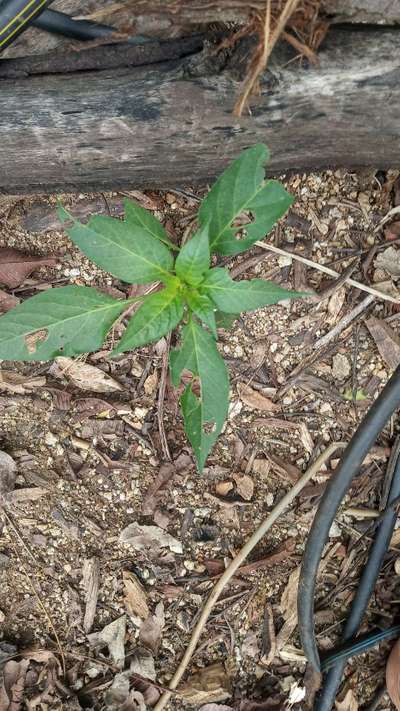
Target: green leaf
158,315
130,254
237,296
204,417
193,260
137,217
242,188
204,308
64,321
223,320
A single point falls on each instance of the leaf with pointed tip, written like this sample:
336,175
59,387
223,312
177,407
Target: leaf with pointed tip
130,254
204,417
193,260
136,217
237,296
158,315
63,321
204,309
242,188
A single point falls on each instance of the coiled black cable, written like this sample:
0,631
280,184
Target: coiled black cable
362,441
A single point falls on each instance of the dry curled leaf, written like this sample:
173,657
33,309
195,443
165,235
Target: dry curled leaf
150,633
151,538
12,689
255,400
87,377
393,675
18,384
348,703
16,266
209,684
135,597
8,473
389,260
113,637
7,301
244,486
387,341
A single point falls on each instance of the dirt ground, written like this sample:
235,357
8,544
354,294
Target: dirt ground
92,462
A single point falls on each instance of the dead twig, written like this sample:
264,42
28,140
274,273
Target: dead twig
34,590
236,563
161,400
258,64
327,270
344,322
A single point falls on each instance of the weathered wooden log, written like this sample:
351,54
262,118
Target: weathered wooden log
167,124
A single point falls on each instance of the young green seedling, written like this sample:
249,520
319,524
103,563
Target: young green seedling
76,319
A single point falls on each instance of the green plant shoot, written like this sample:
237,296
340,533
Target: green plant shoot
201,297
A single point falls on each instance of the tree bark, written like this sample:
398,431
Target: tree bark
169,124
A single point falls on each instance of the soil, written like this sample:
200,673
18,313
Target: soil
89,463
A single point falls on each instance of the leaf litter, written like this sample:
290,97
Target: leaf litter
100,485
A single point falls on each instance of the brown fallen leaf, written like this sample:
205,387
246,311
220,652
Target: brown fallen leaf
8,473
150,501
18,384
15,266
135,597
150,538
90,582
150,633
7,301
12,689
393,675
113,637
92,407
301,427
244,486
255,400
347,703
392,231
389,260
288,605
222,488
210,684
87,377
387,341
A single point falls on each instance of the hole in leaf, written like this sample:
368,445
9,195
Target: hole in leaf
240,222
209,427
32,339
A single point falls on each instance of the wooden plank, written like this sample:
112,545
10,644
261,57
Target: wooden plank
161,126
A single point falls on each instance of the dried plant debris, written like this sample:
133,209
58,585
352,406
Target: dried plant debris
393,675
15,266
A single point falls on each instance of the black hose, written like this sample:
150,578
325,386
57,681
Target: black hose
62,24
364,590
15,16
362,441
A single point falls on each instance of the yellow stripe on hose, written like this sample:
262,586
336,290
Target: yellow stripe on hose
26,19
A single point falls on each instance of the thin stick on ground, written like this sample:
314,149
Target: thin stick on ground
161,399
34,590
344,322
328,270
237,562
